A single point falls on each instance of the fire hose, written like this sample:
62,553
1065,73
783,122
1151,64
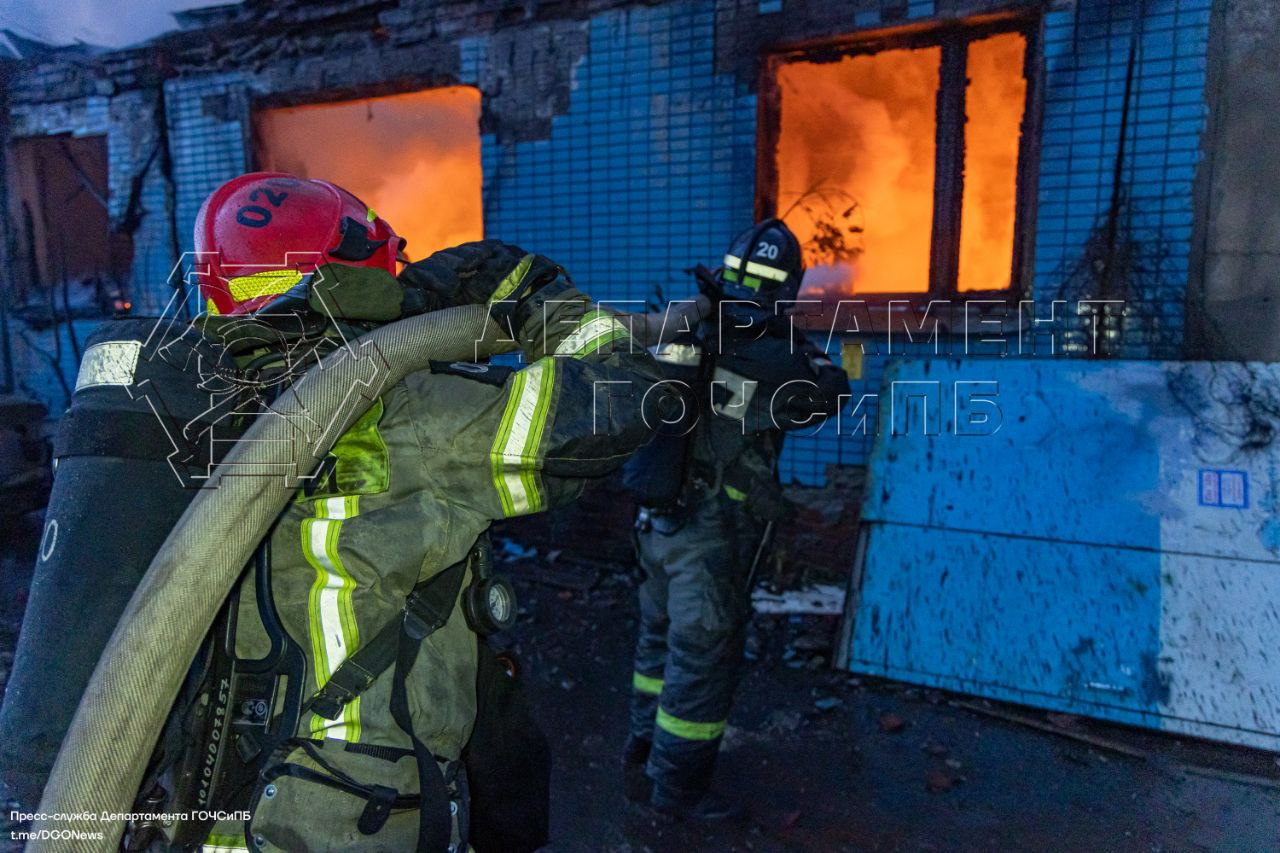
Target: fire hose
104,755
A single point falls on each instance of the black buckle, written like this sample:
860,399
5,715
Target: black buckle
377,809
327,706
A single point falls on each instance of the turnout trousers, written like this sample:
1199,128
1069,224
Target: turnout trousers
694,607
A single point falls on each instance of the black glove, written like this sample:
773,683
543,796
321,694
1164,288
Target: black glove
708,285
472,273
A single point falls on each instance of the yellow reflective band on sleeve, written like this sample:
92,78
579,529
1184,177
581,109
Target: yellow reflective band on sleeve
267,283
595,329
332,618
508,285
764,271
224,844
735,494
688,729
514,457
646,684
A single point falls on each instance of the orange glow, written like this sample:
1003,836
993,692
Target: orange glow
994,104
856,151
413,158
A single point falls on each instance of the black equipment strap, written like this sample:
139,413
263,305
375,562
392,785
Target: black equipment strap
426,610
435,825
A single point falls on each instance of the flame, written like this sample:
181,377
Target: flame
413,158
855,161
994,105
861,130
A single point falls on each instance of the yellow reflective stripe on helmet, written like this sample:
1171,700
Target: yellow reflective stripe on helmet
688,729
765,271
332,618
267,283
646,684
224,844
508,285
733,262
514,456
595,329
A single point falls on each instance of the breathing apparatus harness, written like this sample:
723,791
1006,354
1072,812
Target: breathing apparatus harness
236,715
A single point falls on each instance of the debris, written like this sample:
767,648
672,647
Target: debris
783,722
817,600
953,763
935,749
817,639
891,723
1092,740
937,782
511,551
565,595
1063,721
827,703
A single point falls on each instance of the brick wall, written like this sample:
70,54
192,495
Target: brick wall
621,138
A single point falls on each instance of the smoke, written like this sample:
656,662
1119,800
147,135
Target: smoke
856,153
994,105
863,128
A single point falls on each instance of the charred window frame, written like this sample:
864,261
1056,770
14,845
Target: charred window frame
953,40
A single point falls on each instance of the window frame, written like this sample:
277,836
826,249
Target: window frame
948,192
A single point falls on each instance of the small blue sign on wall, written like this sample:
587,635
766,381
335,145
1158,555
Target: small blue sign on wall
1228,489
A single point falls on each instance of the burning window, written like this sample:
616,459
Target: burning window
898,169
413,158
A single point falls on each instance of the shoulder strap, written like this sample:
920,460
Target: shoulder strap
426,610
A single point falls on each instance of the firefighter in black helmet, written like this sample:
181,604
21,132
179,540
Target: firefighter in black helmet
708,491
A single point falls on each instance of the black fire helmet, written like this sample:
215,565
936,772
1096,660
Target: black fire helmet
763,264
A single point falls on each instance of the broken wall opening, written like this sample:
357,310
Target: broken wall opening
898,166
65,259
414,158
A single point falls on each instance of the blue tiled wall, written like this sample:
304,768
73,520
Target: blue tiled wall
652,168
1087,53
651,171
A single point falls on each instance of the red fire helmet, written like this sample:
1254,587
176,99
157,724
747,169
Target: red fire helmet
258,234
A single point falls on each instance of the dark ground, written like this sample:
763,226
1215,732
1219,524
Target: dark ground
832,762
948,779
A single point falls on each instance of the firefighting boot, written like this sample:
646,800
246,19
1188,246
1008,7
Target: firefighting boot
709,807
636,786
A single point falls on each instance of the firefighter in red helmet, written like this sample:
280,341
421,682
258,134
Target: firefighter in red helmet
392,532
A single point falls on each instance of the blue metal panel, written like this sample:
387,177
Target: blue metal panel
1105,545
